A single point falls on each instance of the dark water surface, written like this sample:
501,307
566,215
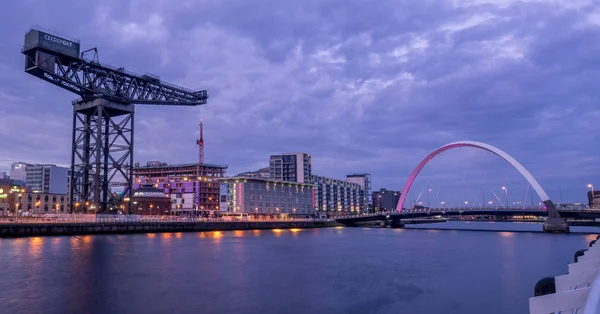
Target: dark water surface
338,270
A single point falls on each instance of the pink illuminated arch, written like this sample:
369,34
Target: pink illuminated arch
536,186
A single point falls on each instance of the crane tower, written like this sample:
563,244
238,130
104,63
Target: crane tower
103,116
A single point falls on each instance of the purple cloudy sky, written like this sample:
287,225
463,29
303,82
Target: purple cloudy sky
363,86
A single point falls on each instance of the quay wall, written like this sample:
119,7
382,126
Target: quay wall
13,230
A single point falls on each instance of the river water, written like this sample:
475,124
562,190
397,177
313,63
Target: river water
336,270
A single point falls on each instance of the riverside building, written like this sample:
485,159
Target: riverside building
338,197
192,188
266,197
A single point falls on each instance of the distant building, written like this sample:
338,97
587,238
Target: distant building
39,203
260,173
9,188
291,167
364,180
385,200
335,196
266,197
18,171
41,178
571,206
4,175
593,199
148,200
49,179
193,188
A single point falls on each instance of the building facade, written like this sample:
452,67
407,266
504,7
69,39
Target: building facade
39,203
266,197
336,197
364,180
593,199
41,178
18,171
385,200
49,179
291,167
9,188
193,188
148,200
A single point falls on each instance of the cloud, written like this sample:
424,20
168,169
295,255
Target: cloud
362,87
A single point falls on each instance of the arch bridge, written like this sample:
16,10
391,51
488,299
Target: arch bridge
554,222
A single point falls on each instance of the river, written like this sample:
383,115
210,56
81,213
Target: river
336,270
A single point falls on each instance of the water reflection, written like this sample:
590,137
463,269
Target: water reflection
277,232
35,246
240,273
217,235
239,233
591,237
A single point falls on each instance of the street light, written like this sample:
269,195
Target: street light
442,203
428,202
505,194
591,186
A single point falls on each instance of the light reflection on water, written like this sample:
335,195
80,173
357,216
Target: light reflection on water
336,270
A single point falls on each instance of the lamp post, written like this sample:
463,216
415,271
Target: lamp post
506,195
482,198
591,186
428,202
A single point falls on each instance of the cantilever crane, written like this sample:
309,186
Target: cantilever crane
102,143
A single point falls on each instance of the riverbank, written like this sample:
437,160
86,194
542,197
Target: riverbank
14,230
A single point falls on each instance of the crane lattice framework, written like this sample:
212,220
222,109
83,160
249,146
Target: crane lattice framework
103,118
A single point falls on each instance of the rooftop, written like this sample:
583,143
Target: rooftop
264,180
148,190
165,165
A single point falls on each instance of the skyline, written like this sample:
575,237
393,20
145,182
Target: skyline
374,92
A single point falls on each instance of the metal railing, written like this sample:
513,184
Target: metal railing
67,218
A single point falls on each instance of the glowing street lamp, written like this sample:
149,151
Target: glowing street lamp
505,194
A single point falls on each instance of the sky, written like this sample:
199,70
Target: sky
362,86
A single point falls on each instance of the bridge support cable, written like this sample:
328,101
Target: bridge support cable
499,201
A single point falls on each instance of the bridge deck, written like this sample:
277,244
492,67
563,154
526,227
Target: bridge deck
576,292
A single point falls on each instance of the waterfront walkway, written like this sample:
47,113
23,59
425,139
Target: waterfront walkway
25,227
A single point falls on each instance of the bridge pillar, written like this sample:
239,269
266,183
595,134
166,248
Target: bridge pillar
396,223
554,223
